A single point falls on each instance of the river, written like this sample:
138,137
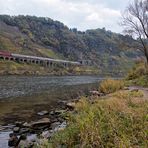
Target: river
21,97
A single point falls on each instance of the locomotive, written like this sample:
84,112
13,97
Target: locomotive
5,53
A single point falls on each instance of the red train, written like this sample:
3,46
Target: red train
5,53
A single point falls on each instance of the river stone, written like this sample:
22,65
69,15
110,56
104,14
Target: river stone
61,127
71,105
2,128
42,113
9,126
32,137
43,121
46,134
27,125
96,93
57,112
62,102
55,124
55,119
60,119
23,130
51,113
25,144
18,123
16,129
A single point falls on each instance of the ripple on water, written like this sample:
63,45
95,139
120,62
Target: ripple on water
14,86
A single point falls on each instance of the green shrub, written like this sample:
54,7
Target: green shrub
138,71
138,75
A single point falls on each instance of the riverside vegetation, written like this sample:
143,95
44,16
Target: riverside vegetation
138,75
110,52
119,118
14,68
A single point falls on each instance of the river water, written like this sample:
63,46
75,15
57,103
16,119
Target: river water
21,97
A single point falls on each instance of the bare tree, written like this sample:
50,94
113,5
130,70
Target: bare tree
135,22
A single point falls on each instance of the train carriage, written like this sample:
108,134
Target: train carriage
5,53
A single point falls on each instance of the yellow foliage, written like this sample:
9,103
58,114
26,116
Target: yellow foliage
109,86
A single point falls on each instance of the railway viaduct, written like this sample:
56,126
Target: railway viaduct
48,62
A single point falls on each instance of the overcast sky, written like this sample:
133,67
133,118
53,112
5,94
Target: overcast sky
81,14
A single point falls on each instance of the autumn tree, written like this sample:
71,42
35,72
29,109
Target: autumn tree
135,22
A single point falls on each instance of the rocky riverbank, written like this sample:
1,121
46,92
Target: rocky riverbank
49,122
35,131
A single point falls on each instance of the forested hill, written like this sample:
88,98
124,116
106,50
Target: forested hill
41,36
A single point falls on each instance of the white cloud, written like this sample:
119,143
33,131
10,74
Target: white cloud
82,14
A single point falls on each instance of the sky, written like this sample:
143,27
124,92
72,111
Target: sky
80,14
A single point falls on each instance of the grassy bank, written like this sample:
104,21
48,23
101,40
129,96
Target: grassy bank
13,68
138,75
117,119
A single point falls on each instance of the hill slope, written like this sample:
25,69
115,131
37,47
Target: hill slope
44,37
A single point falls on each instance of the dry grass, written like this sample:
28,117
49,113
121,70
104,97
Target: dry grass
138,75
119,121
110,86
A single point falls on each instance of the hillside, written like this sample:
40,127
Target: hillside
40,36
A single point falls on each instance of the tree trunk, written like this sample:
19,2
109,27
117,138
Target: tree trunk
147,60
